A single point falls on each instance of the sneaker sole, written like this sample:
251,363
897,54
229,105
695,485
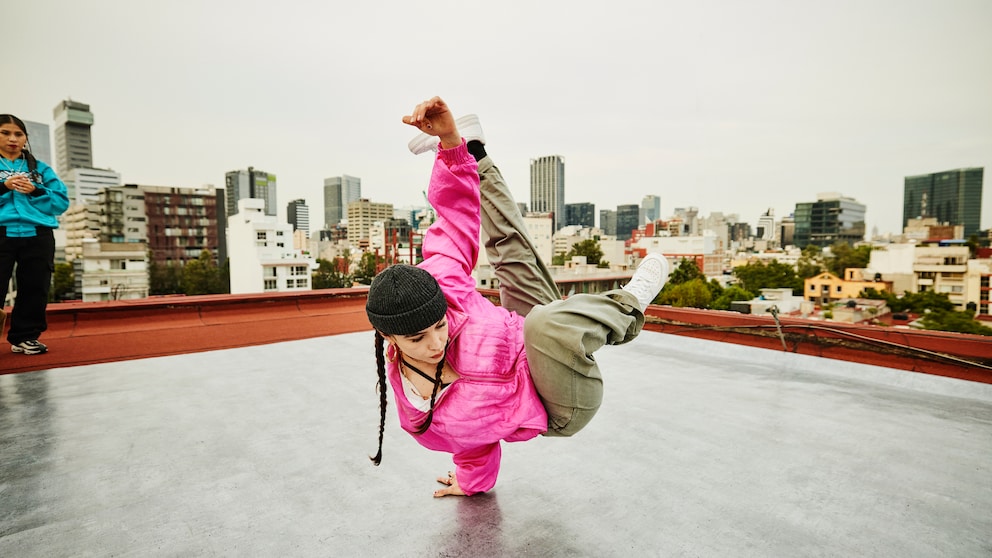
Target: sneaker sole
20,351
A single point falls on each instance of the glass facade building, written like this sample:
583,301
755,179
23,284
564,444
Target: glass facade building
830,219
583,214
952,197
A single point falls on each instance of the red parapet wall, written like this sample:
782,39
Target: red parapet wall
93,332
956,355
88,333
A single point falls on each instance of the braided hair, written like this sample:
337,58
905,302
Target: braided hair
380,363
26,153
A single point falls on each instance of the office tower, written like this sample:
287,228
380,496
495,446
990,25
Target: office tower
787,231
583,214
251,183
766,226
362,214
547,188
832,218
339,191
628,219
608,221
73,143
298,215
953,197
40,142
85,184
650,209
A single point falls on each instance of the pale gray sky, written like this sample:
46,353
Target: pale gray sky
724,105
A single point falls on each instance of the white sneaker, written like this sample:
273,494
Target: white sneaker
650,277
468,126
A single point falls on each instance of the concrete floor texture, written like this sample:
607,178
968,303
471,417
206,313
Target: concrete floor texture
701,449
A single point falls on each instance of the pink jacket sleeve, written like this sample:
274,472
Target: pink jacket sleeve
477,468
451,245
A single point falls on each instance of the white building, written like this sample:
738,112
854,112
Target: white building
262,257
85,184
112,271
918,269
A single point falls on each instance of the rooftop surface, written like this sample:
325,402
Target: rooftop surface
702,448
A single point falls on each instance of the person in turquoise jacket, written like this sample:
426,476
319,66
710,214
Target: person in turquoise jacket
31,199
468,374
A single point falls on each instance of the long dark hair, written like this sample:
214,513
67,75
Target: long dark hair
26,153
380,363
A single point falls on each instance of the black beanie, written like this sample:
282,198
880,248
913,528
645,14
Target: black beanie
403,300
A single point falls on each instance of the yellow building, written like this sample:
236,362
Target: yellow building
827,288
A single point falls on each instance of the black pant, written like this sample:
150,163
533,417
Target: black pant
35,259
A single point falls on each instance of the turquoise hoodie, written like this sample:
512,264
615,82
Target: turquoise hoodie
21,213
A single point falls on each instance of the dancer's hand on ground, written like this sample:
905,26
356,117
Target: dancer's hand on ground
451,486
433,118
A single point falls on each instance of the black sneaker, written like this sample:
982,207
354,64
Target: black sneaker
29,348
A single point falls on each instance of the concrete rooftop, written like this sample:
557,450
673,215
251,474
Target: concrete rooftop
701,448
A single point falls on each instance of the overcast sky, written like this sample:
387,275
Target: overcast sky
727,106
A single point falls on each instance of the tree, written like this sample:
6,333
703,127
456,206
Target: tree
165,280
843,256
202,276
331,274
368,267
686,271
774,275
63,282
953,320
730,294
693,293
810,263
588,248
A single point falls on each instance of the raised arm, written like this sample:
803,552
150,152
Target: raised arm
433,118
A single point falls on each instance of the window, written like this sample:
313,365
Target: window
270,284
260,235
301,283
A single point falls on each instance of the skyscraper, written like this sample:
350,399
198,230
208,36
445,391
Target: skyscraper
40,142
547,188
251,183
73,143
650,209
628,219
832,218
583,214
608,221
339,191
298,215
953,197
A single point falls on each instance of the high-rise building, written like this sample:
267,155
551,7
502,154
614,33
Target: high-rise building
361,215
583,214
85,184
766,226
953,197
176,223
650,209
40,142
547,188
339,191
251,183
73,142
832,218
298,215
608,221
628,220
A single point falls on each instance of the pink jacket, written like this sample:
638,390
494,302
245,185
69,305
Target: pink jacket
494,399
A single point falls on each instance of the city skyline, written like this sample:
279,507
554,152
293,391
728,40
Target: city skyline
729,108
